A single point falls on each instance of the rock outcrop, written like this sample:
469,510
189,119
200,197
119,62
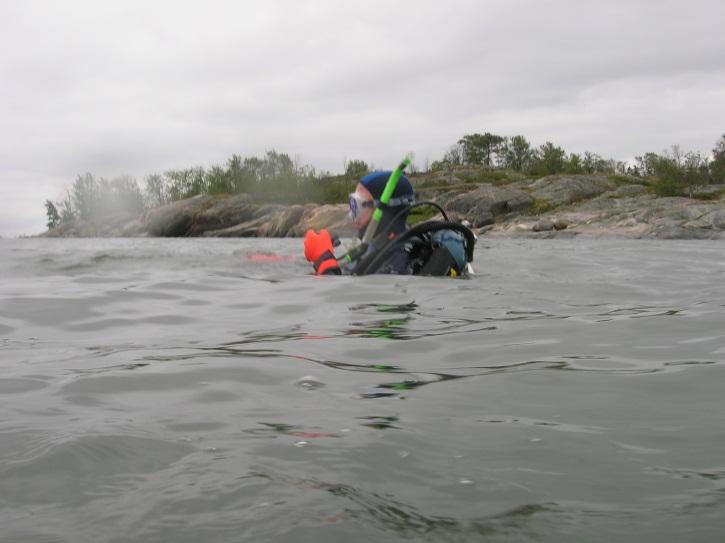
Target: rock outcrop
556,190
639,216
553,206
483,205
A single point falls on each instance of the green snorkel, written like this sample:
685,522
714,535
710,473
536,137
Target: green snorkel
384,199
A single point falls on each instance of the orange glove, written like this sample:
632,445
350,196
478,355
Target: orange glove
319,251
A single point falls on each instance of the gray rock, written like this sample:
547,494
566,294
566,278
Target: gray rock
247,229
673,231
334,217
560,223
709,190
202,214
174,219
73,229
628,191
543,225
715,217
483,205
223,212
282,222
558,190
596,207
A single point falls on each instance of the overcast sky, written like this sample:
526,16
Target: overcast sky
138,87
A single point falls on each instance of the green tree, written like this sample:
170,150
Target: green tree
278,176
52,213
217,181
155,191
573,164
84,194
516,153
185,183
648,164
239,178
252,173
669,181
678,172
675,172
717,165
67,213
695,171
452,157
355,169
122,194
478,149
593,163
549,160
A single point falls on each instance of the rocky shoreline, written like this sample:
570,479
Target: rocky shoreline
549,207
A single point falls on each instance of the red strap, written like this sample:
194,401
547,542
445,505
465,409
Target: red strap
327,265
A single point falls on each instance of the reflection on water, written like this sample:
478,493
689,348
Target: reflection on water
379,422
177,390
272,428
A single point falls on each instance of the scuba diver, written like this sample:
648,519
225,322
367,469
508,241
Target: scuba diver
379,208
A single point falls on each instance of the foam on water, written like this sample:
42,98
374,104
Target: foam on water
179,390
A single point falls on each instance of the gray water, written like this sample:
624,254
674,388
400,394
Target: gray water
184,390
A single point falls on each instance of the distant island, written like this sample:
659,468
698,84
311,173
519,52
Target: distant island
501,186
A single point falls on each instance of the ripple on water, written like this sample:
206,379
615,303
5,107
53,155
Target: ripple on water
527,414
179,285
558,426
103,324
216,396
19,385
197,426
48,311
79,469
384,514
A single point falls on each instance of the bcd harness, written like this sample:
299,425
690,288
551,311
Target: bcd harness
433,247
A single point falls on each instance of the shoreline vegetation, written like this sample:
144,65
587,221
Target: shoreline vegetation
501,185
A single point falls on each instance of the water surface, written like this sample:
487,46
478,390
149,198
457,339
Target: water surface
188,390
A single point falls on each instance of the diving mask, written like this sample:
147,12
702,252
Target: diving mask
359,203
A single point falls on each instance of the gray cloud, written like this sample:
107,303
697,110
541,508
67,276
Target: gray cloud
135,87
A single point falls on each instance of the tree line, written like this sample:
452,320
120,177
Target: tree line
92,199
516,153
671,173
276,177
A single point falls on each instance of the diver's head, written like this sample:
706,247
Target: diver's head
367,194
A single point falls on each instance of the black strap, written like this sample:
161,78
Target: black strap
327,255
372,262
